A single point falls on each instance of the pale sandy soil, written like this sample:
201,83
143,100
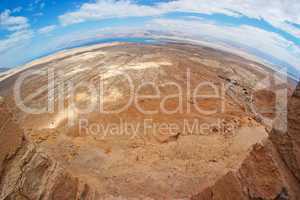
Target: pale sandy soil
152,163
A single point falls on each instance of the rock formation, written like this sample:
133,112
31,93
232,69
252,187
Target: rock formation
27,173
271,171
288,143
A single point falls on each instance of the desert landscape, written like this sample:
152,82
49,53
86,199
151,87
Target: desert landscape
218,148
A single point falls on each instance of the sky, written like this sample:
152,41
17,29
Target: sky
269,29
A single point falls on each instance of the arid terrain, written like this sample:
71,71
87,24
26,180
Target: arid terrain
223,146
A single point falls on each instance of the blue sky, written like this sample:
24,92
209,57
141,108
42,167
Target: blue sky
31,28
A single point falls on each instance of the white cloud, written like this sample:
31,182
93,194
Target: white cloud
264,41
12,23
18,27
47,29
104,9
290,29
276,12
15,39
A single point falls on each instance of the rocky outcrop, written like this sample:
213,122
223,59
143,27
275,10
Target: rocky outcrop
271,171
27,173
288,143
259,177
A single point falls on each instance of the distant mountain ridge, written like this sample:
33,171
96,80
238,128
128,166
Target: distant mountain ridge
3,69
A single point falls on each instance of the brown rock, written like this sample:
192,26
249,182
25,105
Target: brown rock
257,178
288,143
27,173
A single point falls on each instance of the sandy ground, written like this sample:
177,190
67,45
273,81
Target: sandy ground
147,163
